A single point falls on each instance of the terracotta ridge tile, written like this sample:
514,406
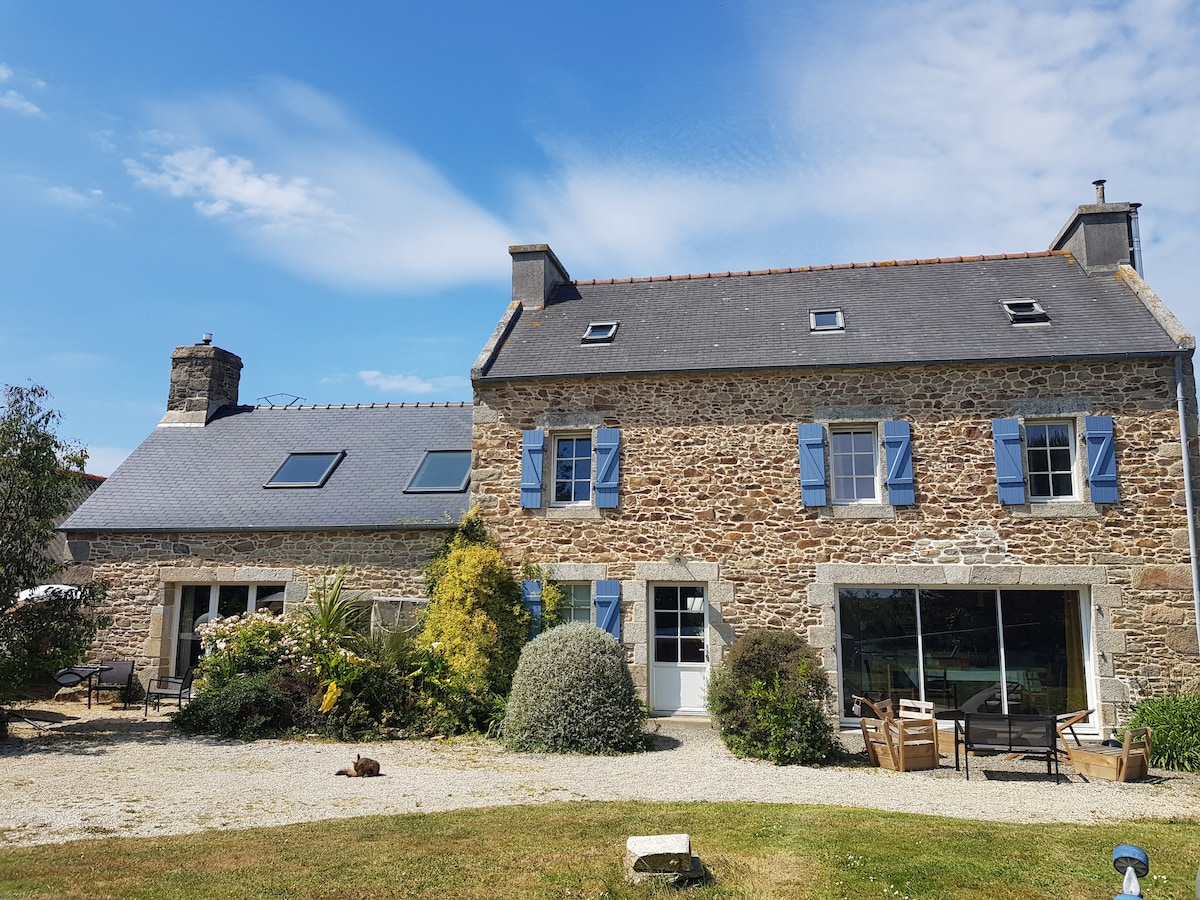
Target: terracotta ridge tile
827,267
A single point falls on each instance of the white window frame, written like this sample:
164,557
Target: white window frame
872,429
574,592
1050,472
555,439
214,596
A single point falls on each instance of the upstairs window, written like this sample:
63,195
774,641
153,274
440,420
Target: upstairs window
573,469
309,470
855,465
441,470
1050,451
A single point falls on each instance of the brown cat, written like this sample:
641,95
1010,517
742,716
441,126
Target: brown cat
363,768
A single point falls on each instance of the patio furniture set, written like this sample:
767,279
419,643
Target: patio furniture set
912,735
117,675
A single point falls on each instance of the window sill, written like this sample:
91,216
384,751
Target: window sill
572,512
1066,509
858,511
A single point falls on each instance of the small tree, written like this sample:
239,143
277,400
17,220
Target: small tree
473,630
40,477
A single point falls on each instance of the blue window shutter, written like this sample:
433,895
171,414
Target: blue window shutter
811,438
533,449
897,448
531,596
608,467
1010,464
608,607
1102,460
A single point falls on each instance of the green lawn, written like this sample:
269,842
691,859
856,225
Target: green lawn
574,850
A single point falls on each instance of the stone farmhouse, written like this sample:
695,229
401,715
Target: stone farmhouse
966,480
963,479
226,508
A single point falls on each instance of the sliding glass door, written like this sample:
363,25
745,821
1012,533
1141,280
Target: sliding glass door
975,650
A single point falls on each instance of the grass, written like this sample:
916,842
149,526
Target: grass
574,850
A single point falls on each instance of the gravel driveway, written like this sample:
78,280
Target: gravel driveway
109,772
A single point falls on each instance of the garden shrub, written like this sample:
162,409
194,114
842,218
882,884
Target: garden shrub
1175,720
472,632
245,707
573,693
768,700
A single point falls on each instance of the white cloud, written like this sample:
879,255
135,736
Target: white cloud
315,193
15,102
412,384
5,72
73,199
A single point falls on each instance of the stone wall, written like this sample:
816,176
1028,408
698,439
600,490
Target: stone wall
710,474
143,571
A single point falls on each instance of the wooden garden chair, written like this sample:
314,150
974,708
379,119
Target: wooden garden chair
1128,762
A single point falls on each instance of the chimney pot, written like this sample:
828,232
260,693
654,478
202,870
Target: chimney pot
206,338
1099,183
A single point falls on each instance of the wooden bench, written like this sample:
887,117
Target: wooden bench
1027,735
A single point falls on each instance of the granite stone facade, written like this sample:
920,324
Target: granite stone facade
710,493
144,571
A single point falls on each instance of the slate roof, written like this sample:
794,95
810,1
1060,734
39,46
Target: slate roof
919,311
211,478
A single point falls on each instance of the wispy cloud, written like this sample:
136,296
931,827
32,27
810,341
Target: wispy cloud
72,199
14,102
320,195
413,384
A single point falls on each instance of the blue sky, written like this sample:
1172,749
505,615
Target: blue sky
331,189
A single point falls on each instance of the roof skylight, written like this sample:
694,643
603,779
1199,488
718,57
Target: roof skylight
826,320
599,333
1025,311
441,470
305,469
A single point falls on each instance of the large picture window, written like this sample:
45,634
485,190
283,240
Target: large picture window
200,603
1013,651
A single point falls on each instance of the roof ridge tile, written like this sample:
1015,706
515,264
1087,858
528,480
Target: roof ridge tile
796,270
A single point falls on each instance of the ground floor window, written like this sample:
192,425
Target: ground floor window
200,603
1018,651
577,604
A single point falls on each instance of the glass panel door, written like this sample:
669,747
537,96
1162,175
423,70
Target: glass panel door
879,644
1043,648
961,643
193,610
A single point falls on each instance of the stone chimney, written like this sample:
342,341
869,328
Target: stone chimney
1102,236
536,272
203,379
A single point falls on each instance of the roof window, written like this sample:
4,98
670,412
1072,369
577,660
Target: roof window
826,320
600,333
441,470
305,469
1025,311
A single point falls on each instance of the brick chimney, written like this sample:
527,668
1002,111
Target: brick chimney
1102,236
203,379
536,272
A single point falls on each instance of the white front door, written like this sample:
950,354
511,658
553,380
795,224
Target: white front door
679,647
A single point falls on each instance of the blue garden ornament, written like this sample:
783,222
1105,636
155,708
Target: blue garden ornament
1134,864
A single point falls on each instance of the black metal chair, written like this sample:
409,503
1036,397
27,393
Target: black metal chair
75,676
115,675
168,687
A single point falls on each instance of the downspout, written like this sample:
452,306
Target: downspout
1187,484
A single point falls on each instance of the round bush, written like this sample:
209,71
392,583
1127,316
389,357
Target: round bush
572,693
246,707
767,700
1175,720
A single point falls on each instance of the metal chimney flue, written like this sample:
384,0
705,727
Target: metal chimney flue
1099,183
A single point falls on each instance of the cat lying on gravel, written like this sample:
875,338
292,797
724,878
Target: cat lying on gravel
363,768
